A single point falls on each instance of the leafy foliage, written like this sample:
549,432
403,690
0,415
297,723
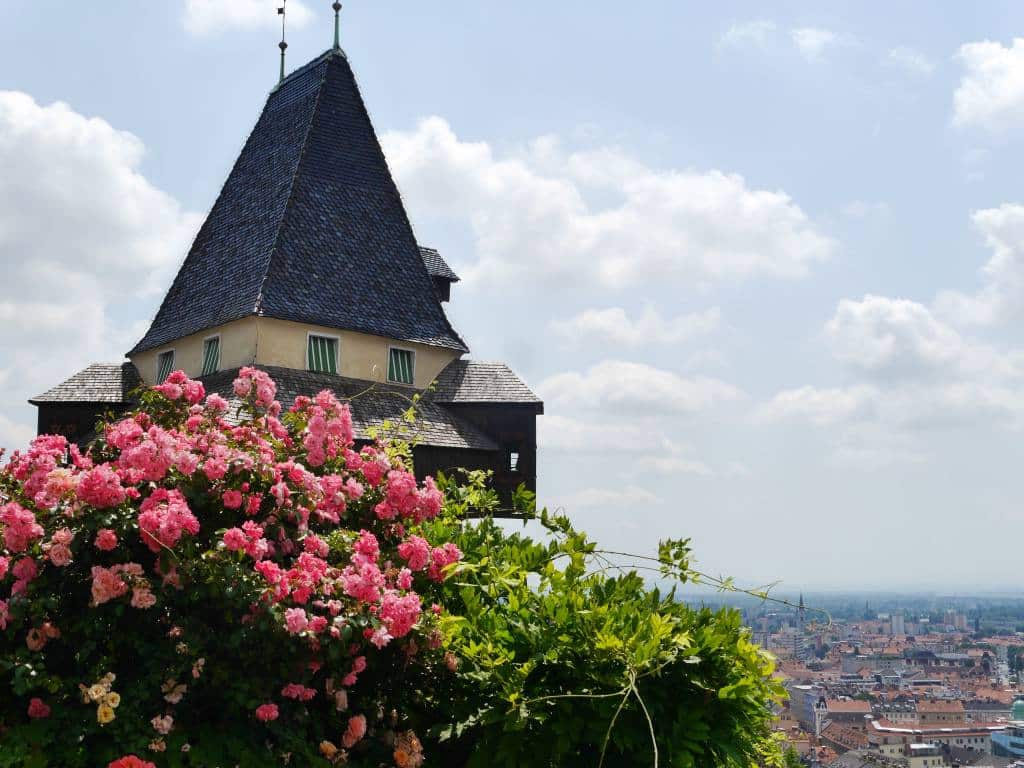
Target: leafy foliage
206,590
568,658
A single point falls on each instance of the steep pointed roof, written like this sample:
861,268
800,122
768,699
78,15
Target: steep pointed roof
309,227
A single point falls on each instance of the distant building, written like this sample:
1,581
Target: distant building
899,712
924,756
986,711
853,713
865,758
843,738
894,740
1010,743
803,699
800,649
940,713
899,624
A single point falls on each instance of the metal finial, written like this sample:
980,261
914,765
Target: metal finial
337,33
282,45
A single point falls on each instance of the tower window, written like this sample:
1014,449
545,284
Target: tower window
401,365
322,354
164,365
211,355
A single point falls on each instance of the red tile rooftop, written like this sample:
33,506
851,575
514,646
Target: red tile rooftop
959,729
852,707
940,707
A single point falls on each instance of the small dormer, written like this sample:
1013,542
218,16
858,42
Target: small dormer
440,273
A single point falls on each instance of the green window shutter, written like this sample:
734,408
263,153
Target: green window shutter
164,366
211,355
322,354
400,366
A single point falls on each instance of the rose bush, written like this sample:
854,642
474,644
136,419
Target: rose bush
205,587
215,587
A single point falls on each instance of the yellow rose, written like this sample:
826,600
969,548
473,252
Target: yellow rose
112,700
97,692
327,749
104,714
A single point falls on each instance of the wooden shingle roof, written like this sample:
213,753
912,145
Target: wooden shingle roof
309,227
476,381
436,265
371,403
99,383
465,381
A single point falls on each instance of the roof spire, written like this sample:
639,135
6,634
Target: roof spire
282,45
337,33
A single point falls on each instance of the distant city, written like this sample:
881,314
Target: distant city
896,680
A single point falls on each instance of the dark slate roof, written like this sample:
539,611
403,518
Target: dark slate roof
437,266
371,404
475,381
308,227
99,383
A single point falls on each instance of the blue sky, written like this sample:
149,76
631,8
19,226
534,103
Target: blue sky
764,262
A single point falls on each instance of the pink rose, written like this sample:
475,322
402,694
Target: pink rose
355,731
106,539
235,539
37,708
142,598
295,620
59,555
266,712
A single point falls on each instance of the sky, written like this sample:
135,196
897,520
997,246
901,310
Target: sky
763,262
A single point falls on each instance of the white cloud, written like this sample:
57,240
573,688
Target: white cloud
874,446
674,458
599,215
620,384
651,450
899,338
15,434
556,432
204,17
913,373
81,230
615,326
991,92
911,61
756,33
812,42
76,206
902,407
1001,295
626,496
819,406
676,465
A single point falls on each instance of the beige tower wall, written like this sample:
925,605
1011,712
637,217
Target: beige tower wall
237,348
267,341
361,356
